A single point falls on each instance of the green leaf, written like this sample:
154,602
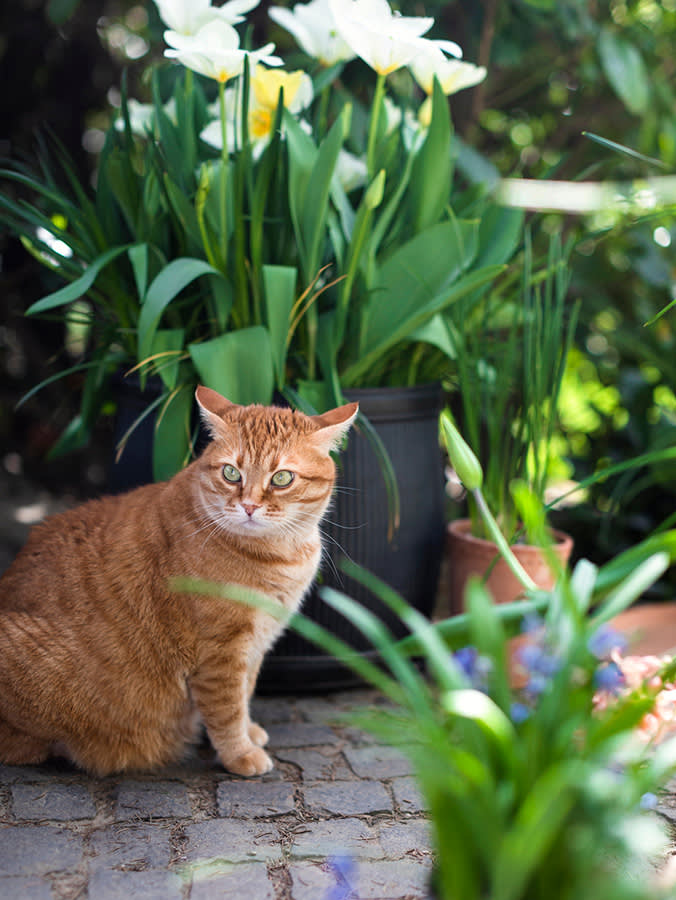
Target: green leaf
175,276
185,213
437,657
488,636
538,822
430,185
307,628
311,396
500,234
168,345
469,703
626,151
171,444
368,624
74,437
437,333
416,282
311,172
237,365
302,155
59,11
625,70
618,568
455,632
582,584
631,588
317,195
138,256
415,273
80,286
279,296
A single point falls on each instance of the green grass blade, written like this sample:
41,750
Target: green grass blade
373,629
308,629
436,652
78,287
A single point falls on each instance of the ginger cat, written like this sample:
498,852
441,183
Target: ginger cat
101,662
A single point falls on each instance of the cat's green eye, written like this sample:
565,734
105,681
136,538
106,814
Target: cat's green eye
231,474
283,478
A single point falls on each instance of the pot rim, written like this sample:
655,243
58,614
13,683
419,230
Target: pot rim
460,529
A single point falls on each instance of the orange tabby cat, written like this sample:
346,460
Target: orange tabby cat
102,662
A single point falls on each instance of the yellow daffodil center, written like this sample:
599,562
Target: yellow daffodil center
260,123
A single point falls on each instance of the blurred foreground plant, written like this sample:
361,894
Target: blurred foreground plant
532,760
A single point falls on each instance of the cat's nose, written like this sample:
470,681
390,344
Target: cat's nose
250,508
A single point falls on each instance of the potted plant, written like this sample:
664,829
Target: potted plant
269,232
250,212
510,356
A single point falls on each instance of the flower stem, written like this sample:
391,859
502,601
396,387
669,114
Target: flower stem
373,125
223,211
501,543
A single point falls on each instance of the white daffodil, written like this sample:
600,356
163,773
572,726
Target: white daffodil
142,116
350,171
214,51
395,116
453,74
383,39
188,16
314,28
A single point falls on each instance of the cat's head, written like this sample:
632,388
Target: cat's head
268,470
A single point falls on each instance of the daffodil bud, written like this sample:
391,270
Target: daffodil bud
463,459
374,192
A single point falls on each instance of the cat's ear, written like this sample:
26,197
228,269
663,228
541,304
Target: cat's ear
213,406
333,426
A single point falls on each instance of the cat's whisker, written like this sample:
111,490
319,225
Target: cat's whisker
342,526
347,489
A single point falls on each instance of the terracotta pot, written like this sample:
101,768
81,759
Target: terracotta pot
470,555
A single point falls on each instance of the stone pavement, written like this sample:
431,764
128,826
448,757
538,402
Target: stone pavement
338,817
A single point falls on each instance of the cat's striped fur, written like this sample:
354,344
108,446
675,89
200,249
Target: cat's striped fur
101,661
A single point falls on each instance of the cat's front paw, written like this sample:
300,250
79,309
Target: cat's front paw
258,735
253,762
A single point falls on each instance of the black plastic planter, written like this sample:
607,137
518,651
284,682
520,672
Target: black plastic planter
356,527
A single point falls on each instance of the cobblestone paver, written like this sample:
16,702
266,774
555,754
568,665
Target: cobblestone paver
193,832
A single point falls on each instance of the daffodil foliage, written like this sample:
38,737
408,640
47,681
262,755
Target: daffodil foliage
262,229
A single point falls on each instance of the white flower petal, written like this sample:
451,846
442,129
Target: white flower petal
453,74
382,39
314,28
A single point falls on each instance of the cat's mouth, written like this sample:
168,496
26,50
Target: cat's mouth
250,524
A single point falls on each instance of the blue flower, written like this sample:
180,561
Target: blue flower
532,622
648,801
466,658
344,868
538,661
536,685
519,712
477,668
604,640
609,677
